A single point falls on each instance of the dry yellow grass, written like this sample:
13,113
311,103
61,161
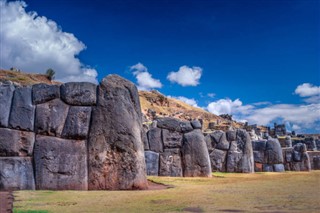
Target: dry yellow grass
260,192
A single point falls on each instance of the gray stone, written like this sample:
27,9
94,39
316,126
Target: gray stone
16,143
185,126
155,140
316,163
6,94
267,168
77,123
259,145
16,173
208,140
218,160
42,93
196,124
297,156
273,152
234,161
79,93
170,163
152,163
116,155
223,143
60,164
231,135
216,135
259,157
288,141
145,140
287,154
172,124
22,110
278,168
195,156
171,139
50,117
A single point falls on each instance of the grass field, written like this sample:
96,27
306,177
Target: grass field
225,192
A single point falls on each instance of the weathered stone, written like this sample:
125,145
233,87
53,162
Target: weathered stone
218,160
288,141
314,159
155,140
50,117
16,173
171,139
172,124
77,123
244,144
22,110
116,155
79,93
208,140
196,124
267,168
60,164
16,143
42,93
234,161
185,126
278,167
259,157
310,144
258,167
259,145
273,152
170,163
152,163
195,155
145,140
231,135
6,94
297,156
216,135
223,143
287,154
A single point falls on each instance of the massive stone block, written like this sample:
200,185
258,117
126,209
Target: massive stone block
60,164
77,123
171,139
195,156
155,140
50,117
196,124
22,110
172,124
79,93
42,93
273,152
170,163
218,160
244,144
116,156
234,161
16,173
6,94
16,143
152,163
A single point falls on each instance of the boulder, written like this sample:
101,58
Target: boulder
60,164
42,93
16,143
259,157
258,167
172,124
196,124
231,135
6,94
259,145
79,93
273,152
22,110
245,145
287,154
116,155
223,143
16,173
170,163
152,163
185,126
155,140
171,139
144,139
50,117
208,140
267,168
218,160
288,141
278,168
234,161
77,123
195,156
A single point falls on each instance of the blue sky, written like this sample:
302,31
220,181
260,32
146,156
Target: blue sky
243,57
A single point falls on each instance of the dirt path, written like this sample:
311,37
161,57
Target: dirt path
157,186
6,201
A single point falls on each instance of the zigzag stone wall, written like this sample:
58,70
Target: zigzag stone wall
62,136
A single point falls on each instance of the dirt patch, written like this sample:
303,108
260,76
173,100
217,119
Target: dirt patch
6,201
231,210
157,186
192,209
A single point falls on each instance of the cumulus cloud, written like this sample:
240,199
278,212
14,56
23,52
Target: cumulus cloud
190,101
186,76
227,106
34,43
145,80
307,90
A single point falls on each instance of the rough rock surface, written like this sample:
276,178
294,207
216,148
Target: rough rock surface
196,124
152,163
116,155
169,123
195,156
218,160
155,140
22,110
80,94
170,163
50,117
171,139
77,123
42,93
296,158
60,164
16,173
6,94
273,152
16,143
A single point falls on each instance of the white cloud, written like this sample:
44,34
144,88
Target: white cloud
186,76
227,106
307,90
34,43
144,78
211,95
190,101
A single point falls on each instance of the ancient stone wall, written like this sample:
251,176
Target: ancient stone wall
45,141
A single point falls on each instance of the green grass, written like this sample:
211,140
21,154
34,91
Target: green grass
263,192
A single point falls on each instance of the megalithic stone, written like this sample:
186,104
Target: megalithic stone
116,155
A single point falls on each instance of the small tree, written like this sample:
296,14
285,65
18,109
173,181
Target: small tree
50,74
